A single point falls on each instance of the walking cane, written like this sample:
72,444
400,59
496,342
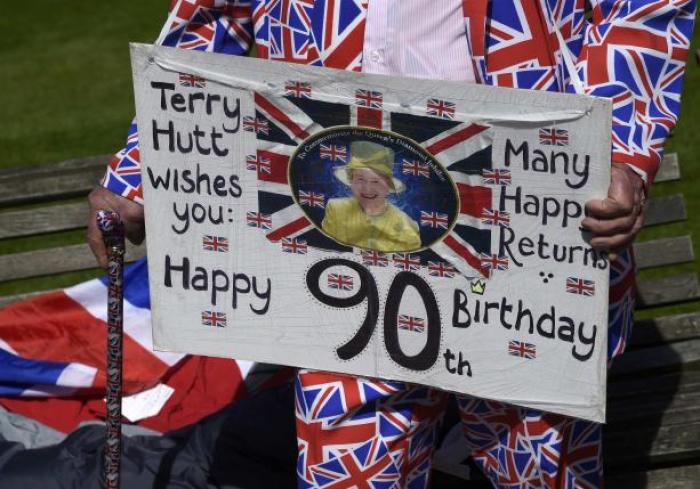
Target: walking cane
113,234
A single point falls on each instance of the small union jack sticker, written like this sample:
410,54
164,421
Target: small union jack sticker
554,137
495,176
410,323
493,262
297,89
214,243
213,318
294,246
339,281
312,199
441,108
192,81
258,220
369,99
375,258
493,217
333,152
522,349
253,124
415,168
406,261
580,286
258,164
440,269
433,220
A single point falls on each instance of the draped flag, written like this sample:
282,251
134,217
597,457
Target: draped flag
52,359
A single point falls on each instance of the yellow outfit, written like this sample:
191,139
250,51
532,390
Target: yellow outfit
393,230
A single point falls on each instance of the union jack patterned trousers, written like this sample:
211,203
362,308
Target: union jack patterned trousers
371,434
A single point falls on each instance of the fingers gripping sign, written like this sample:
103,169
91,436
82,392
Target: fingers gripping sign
615,221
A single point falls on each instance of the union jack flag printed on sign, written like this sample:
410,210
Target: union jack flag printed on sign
440,269
441,108
334,152
294,246
187,80
433,219
213,318
339,281
312,199
297,89
406,261
258,164
258,220
580,286
214,243
463,148
522,349
494,262
415,168
554,137
369,99
493,217
375,258
253,124
411,323
495,176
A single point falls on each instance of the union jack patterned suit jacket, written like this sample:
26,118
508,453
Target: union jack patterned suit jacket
631,51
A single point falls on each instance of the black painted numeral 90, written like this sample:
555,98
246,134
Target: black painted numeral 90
424,359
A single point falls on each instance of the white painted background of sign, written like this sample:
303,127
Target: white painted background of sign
298,330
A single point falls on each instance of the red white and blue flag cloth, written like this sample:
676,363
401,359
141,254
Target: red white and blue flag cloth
53,355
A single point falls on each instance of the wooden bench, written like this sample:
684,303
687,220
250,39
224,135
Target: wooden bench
36,201
652,438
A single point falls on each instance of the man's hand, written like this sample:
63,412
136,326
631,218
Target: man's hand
131,215
615,221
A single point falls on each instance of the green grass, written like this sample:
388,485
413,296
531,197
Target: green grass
65,92
65,76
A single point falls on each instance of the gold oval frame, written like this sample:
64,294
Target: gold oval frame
413,143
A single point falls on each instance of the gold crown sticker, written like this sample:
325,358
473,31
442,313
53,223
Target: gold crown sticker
478,286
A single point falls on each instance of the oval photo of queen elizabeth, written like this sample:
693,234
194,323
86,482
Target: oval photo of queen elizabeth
373,189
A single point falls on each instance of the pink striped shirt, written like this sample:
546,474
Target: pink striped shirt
417,38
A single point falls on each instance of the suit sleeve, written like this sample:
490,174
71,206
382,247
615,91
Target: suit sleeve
202,25
634,52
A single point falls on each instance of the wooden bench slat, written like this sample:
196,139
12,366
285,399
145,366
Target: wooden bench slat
663,251
664,210
665,329
54,260
657,357
668,290
666,412
684,477
660,385
664,444
58,180
669,169
675,409
55,218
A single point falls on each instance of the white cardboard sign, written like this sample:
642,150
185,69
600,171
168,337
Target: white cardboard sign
396,228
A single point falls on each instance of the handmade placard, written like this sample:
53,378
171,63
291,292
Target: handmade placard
396,228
